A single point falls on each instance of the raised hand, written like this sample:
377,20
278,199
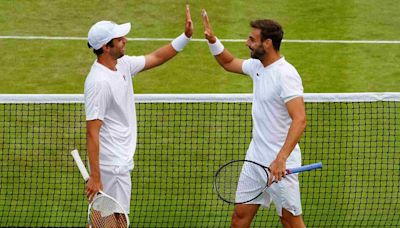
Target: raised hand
207,28
189,23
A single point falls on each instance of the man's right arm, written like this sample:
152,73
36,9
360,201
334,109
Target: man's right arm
93,134
229,62
221,54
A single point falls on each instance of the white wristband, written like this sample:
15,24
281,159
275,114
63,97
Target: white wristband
180,42
216,48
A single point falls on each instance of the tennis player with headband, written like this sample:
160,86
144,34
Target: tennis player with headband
279,119
110,106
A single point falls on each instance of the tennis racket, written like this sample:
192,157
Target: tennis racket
104,211
250,176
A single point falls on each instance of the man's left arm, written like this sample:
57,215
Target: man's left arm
168,51
297,113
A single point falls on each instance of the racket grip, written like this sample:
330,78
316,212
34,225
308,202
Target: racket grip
80,164
305,168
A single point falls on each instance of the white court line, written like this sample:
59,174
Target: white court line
203,40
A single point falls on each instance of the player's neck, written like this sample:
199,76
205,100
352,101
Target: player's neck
271,58
107,61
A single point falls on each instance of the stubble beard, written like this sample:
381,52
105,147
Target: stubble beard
118,55
258,53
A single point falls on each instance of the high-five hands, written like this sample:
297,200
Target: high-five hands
207,28
189,23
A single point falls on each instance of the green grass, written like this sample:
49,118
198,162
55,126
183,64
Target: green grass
57,66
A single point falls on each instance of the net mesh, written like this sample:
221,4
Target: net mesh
181,144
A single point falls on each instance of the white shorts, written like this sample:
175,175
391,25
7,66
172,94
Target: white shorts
285,194
117,183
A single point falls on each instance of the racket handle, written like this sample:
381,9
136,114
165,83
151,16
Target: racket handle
305,168
80,164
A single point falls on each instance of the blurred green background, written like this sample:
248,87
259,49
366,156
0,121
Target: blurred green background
61,66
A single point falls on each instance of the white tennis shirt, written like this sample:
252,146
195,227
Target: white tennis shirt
273,86
109,97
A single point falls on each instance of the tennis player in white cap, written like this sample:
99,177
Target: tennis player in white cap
110,107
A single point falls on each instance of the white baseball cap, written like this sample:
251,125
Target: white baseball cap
104,31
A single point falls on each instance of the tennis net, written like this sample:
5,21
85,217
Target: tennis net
182,141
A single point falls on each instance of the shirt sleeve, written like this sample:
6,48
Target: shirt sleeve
250,66
136,64
97,96
291,85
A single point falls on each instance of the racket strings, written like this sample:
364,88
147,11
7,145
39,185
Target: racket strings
240,182
106,213
227,181
115,220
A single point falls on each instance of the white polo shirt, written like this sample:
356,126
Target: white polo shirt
273,86
109,97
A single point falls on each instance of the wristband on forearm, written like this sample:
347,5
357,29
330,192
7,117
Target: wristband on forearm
216,48
180,42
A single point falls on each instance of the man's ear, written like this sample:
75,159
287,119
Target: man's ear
267,44
105,48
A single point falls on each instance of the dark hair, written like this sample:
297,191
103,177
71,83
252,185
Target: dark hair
269,30
100,51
